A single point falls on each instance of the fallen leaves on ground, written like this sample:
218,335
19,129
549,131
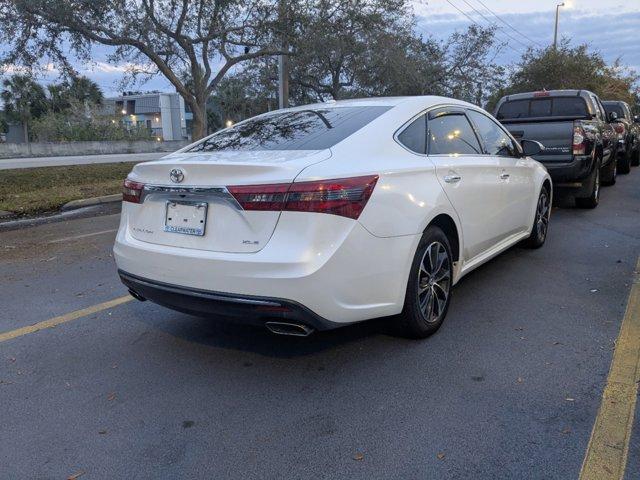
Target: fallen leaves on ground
358,456
440,455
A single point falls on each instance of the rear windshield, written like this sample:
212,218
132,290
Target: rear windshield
313,129
543,107
615,107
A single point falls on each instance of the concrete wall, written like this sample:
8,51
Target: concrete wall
20,150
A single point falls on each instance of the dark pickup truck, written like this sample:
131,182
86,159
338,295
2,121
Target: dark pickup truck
580,143
628,134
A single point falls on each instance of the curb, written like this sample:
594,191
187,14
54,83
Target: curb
5,214
89,202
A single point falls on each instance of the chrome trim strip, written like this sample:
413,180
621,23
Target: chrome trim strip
163,191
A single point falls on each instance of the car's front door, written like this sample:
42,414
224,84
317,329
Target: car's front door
515,172
469,178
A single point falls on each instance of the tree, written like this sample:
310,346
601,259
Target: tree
79,90
23,99
570,68
193,43
333,38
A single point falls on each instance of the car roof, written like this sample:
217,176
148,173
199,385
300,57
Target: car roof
614,102
423,100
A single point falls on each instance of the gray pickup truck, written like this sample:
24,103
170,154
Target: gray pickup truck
580,143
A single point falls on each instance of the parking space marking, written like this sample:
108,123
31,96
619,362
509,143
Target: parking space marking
85,235
52,322
606,456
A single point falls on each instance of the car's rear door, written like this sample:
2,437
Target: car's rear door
515,172
469,178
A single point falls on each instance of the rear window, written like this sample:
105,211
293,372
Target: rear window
543,107
615,107
313,129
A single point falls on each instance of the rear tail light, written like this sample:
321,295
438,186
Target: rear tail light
132,191
620,130
579,140
346,197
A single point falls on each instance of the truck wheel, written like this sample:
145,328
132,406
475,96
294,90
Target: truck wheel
624,163
612,172
635,161
594,197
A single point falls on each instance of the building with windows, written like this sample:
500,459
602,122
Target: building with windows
163,114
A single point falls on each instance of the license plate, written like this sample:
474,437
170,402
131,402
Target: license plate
187,218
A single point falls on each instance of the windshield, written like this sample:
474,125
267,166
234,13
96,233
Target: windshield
543,107
312,129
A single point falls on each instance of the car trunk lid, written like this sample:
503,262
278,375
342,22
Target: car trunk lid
198,197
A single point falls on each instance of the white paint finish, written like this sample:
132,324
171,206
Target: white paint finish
343,270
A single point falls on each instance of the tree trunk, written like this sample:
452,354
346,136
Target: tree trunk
25,131
199,125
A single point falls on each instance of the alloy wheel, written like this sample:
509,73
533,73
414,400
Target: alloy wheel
434,282
542,215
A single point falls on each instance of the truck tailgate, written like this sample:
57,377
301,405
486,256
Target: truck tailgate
557,138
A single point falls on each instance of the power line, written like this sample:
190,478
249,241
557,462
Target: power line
519,52
508,24
492,23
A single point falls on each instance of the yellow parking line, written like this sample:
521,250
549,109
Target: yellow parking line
52,322
606,456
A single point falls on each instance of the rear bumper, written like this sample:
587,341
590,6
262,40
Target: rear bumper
573,174
330,265
243,308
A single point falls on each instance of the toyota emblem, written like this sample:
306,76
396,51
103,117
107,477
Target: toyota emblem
176,175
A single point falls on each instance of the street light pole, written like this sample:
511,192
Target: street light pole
555,33
283,60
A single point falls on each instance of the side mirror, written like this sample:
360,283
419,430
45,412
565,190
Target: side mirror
613,116
531,147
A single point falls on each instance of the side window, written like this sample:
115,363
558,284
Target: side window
496,140
452,134
414,137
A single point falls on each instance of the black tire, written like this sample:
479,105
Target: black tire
541,220
594,197
429,287
612,173
635,160
624,163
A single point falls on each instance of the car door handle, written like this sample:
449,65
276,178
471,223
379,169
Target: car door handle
504,176
453,178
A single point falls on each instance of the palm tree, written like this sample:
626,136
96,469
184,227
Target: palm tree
24,99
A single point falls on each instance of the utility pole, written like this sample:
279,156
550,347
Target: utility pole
555,33
283,60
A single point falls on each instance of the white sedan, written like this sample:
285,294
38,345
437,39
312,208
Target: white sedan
324,215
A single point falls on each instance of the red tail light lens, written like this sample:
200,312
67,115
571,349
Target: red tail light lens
619,128
260,197
132,191
346,197
579,140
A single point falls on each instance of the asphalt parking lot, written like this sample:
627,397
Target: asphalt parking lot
508,388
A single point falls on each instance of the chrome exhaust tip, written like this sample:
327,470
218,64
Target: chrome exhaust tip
292,329
137,296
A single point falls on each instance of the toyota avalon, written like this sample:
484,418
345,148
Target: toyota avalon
324,215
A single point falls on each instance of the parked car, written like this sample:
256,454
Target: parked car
580,143
329,214
628,134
